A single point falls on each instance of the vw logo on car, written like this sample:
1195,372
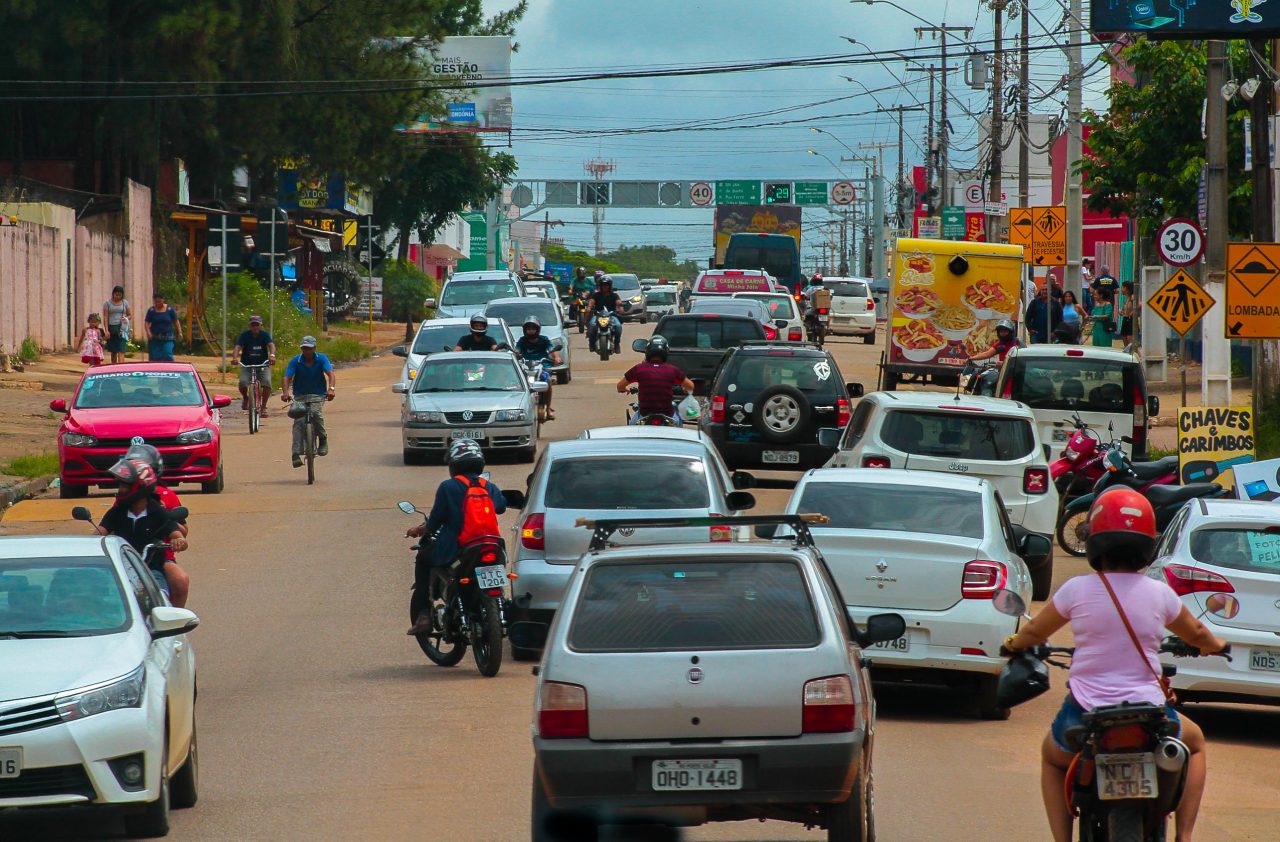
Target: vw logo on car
467,415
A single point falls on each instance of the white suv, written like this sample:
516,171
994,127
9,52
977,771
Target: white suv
853,308
961,434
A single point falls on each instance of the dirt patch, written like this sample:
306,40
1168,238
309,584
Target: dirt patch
26,423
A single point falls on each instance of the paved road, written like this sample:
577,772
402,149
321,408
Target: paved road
320,720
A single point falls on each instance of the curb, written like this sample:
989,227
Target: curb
11,493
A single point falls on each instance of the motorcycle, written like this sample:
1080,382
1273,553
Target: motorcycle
602,336
1166,499
466,600
816,325
655,419
979,378
1130,769
1081,464
578,310
535,371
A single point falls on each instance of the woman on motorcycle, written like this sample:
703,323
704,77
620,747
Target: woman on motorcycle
1006,341
1108,668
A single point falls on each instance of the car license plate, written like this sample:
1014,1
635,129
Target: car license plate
824,319
10,762
1061,435
491,577
1126,776
478,435
902,644
1266,660
781,457
686,775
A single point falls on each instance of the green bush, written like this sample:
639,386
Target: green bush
32,465
343,349
405,286
30,351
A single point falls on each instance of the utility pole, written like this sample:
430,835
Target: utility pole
1024,111
997,119
902,176
943,128
1215,368
1073,197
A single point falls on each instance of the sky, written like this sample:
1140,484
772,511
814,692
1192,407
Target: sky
559,36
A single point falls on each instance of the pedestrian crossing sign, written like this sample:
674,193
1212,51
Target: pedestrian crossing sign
1181,302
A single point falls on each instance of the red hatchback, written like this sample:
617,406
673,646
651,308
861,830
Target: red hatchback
163,404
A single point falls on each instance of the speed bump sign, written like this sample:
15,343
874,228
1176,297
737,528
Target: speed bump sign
1253,291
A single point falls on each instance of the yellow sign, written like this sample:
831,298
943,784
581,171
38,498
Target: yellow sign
1211,440
349,232
1180,302
1049,236
1020,230
1253,291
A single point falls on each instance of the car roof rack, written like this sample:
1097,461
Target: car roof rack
780,343
602,529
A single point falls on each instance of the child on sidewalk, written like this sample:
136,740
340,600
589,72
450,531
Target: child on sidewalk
91,340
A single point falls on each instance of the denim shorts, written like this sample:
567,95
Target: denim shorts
161,581
1071,715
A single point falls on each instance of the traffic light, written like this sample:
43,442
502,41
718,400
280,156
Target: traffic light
777,193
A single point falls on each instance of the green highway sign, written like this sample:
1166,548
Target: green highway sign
737,192
810,193
953,222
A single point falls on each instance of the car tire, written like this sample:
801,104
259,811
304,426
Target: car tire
850,820
773,407
413,457
1042,578
889,381
184,789
528,455
541,813
563,377
869,338
519,653
72,492
152,822
984,699
215,487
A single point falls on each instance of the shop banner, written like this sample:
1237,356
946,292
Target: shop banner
1212,440
1258,481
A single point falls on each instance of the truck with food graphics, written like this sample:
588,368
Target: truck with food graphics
945,298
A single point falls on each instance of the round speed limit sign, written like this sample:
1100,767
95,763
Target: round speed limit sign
1180,242
843,193
700,193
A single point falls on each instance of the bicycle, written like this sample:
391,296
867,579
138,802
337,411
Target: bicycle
255,394
309,436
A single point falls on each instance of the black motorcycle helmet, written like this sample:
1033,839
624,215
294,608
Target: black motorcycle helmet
479,324
1023,678
147,453
532,322
657,349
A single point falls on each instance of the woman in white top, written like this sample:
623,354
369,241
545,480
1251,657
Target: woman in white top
116,313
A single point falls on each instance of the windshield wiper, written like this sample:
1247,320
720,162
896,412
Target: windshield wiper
35,633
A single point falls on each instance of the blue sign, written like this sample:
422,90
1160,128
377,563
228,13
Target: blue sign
562,272
462,112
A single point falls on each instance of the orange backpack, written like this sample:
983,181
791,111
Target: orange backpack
479,520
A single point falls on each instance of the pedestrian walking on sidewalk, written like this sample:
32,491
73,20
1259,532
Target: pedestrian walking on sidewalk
163,327
91,340
116,313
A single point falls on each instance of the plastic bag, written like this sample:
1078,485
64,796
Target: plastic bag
689,409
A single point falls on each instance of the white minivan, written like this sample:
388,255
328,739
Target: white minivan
1104,386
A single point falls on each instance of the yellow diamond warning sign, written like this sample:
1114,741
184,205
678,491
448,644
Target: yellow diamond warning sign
1049,236
1253,291
1180,302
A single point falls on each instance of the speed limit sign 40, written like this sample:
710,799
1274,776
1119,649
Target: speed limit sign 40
1181,242
701,193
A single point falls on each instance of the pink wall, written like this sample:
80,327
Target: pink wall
28,265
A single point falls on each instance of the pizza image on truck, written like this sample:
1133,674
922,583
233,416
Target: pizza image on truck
945,298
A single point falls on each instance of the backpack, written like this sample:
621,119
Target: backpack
479,520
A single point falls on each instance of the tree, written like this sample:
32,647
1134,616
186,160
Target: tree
1146,152
405,286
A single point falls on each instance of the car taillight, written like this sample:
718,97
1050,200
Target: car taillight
842,413
794,335
828,705
770,332
1123,737
875,461
531,534
1188,580
871,304
717,410
1035,481
562,711
982,579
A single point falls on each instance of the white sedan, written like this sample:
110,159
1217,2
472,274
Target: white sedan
97,701
1222,558
933,548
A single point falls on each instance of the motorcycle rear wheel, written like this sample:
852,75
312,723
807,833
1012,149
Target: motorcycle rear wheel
1124,824
433,645
486,638
1073,531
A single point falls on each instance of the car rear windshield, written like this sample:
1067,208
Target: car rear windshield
779,306
651,483
621,282
61,597
476,293
691,605
1256,550
432,339
896,508
959,435
660,297
515,314
710,331
1073,383
727,284
777,261
755,372
729,307
854,289
139,388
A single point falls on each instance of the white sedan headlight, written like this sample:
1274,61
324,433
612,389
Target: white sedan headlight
122,693
204,435
510,414
79,440
425,417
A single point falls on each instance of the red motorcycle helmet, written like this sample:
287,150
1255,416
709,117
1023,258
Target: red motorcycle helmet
136,479
1122,526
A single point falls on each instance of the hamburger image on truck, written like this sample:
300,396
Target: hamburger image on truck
945,298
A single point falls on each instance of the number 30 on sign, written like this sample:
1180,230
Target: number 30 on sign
1180,242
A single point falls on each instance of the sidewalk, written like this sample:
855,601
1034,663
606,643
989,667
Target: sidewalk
1164,427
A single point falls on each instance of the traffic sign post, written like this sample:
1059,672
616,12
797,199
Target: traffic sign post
1253,291
777,193
975,196
1181,242
953,222
1049,236
843,193
809,193
225,228
739,192
701,194
1020,230
1181,302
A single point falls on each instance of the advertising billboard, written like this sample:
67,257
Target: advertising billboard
1180,19
754,219
483,60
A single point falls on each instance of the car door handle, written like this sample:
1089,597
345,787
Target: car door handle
178,647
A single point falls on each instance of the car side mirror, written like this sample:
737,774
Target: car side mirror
557,346
429,303
400,351
400,388
515,499
767,531
167,621
1153,405
829,437
81,513
58,404
740,501
855,390
1034,547
742,479
220,402
881,628
779,322
539,386
528,635
639,345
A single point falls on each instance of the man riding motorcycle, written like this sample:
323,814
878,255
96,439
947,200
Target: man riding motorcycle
655,380
1118,617
535,347
448,520
582,283
1006,341
605,300
478,339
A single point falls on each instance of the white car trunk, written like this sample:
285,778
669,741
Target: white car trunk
882,569
1007,477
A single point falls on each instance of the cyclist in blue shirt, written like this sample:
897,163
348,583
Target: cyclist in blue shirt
535,347
309,375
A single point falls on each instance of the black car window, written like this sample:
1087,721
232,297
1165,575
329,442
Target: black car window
694,605
651,483
1005,525
142,583
1084,384
1170,537
1255,549
853,289
61,596
895,508
754,373
956,435
707,332
857,425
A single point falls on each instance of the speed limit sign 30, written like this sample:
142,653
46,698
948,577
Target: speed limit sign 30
1181,242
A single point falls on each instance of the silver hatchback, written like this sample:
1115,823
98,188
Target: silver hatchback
699,682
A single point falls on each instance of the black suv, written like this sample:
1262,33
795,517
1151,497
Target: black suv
768,401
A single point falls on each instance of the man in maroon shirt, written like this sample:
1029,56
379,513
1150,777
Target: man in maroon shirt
655,381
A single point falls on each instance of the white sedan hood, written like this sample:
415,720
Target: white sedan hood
41,667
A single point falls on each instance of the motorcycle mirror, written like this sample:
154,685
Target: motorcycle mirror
406,507
515,499
1009,603
81,513
881,628
1223,605
528,635
1126,439
639,345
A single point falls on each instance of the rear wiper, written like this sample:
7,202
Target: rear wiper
35,633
